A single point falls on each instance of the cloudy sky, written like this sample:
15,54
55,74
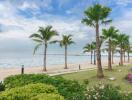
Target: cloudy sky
20,18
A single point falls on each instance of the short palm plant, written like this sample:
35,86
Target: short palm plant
43,38
94,17
109,35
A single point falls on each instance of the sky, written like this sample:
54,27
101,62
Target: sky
20,18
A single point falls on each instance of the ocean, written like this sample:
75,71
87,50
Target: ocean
29,60
11,58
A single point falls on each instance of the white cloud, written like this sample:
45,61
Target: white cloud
7,10
29,26
123,2
62,25
25,5
19,27
124,23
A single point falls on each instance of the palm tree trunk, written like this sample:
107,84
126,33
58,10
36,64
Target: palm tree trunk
112,57
65,57
121,57
99,65
91,56
124,57
45,51
109,56
128,56
94,58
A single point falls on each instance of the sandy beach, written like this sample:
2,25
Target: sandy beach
54,70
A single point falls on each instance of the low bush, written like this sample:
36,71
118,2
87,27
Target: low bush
48,97
71,90
30,91
105,92
2,87
86,81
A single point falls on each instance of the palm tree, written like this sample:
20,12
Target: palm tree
122,40
89,48
43,38
65,42
127,49
109,35
124,53
113,50
94,16
94,50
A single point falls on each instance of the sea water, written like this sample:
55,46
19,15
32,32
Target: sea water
10,58
29,60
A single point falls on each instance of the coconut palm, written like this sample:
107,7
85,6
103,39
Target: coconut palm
122,40
94,16
109,35
127,49
113,50
89,48
43,38
124,53
65,42
94,50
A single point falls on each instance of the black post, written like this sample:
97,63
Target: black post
79,67
22,69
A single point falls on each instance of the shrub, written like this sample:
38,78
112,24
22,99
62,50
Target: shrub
69,89
48,97
86,81
21,80
129,78
105,92
29,91
2,87
130,70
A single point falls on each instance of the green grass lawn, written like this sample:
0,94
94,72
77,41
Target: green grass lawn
91,76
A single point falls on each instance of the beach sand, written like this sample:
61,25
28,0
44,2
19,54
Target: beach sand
54,70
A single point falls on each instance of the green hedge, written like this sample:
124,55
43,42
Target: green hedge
30,91
48,97
67,88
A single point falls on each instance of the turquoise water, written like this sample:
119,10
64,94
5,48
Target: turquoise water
15,56
23,56
28,60
37,60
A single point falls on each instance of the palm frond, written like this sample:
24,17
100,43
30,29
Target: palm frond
36,48
55,41
106,21
38,40
88,22
36,35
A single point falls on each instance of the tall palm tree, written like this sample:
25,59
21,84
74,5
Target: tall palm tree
94,16
43,38
122,40
109,35
65,42
89,48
